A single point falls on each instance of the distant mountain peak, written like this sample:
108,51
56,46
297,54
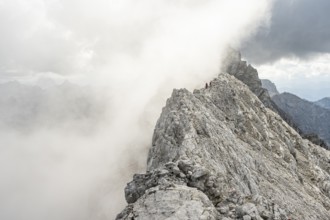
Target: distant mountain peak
270,86
325,102
311,118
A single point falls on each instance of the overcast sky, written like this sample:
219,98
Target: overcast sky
293,50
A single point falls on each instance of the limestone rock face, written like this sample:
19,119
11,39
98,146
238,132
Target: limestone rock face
234,65
171,202
219,153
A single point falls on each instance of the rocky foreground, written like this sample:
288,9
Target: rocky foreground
219,153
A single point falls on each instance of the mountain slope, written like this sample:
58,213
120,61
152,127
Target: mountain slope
218,153
270,86
312,133
309,117
325,102
234,65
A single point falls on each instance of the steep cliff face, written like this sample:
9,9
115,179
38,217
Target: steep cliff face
234,65
219,153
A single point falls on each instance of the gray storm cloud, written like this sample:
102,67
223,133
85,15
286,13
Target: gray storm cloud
297,28
132,54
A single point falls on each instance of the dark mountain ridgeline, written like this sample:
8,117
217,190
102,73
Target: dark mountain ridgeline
310,118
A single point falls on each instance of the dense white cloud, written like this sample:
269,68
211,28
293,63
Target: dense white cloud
135,53
69,37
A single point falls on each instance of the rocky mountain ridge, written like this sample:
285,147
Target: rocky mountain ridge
325,102
240,69
219,153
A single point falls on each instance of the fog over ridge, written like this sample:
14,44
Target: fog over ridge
131,54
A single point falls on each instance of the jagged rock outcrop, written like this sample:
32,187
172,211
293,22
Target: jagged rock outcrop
234,65
219,153
310,118
324,103
270,86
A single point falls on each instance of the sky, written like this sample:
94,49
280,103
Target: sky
131,54
293,51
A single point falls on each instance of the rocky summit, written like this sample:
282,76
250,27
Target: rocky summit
234,65
219,153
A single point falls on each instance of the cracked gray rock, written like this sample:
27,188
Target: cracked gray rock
219,153
235,66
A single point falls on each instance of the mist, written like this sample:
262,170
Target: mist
125,57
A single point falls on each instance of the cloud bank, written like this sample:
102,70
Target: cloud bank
131,52
298,28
